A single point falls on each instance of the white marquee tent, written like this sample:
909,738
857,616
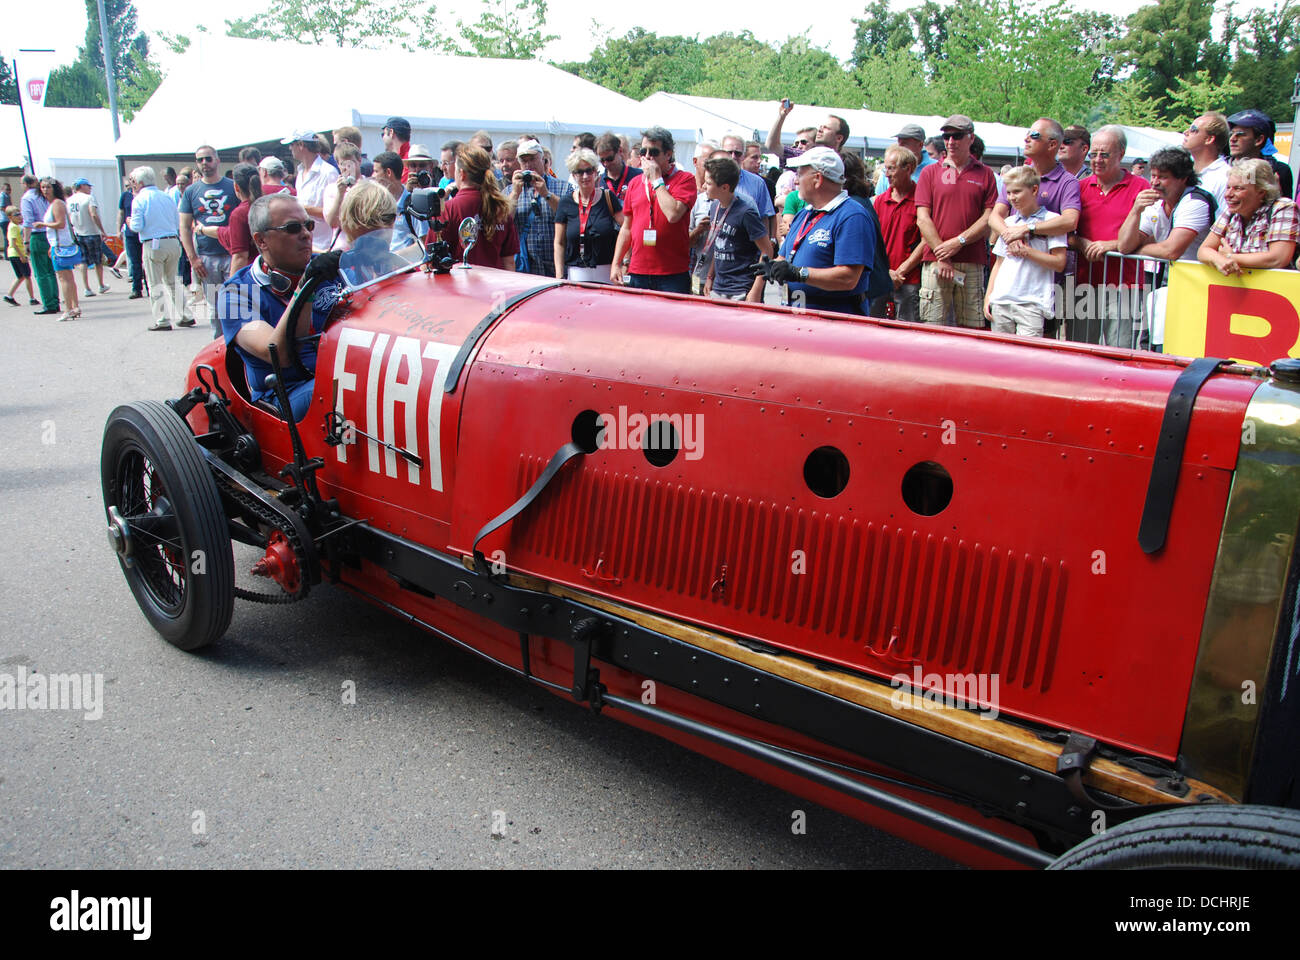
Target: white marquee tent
292,86
66,143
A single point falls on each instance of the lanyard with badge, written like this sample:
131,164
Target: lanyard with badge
807,225
650,236
583,213
716,224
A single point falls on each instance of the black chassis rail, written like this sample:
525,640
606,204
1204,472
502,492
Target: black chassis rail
1035,799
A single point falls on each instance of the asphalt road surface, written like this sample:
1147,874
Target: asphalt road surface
245,755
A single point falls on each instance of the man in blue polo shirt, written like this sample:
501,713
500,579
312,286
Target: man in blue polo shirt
827,255
253,302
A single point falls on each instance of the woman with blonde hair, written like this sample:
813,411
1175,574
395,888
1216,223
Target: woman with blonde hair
1258,226
478,195
366,218
587,222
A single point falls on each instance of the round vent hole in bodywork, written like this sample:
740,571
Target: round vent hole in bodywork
661,443
586,431
927,488
826,471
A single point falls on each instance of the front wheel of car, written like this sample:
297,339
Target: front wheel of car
1200,837
167,524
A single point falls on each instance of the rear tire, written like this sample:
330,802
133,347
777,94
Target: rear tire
1201,837
172,539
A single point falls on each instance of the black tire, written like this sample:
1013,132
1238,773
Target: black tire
1201,837
154,477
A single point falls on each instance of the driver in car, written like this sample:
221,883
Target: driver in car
253,303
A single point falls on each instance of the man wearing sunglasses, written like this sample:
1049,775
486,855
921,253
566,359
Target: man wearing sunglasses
618,174
1206,139
1074,152
656,225
954,201
253,302
209,200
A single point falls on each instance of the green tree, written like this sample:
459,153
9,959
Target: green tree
344,23
1013,62
1267,60
896,83
83,83
1172,39
641,63
510,29
1192,97
8,86
880,32
930,27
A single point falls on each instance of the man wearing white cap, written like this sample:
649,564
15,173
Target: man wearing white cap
88,229
827,254
911,137
314,175
272,172
536,195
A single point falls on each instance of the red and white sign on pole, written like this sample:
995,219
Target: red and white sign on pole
33,79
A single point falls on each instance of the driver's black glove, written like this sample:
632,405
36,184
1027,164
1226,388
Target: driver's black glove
324,267
777,271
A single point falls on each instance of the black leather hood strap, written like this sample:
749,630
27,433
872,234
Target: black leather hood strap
466,348
558,460
1169,452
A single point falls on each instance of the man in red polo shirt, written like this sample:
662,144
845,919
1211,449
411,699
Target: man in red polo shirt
954,200
656,225
397,138
896,209
1106,197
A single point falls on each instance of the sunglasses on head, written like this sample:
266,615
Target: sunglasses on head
295,227
650,151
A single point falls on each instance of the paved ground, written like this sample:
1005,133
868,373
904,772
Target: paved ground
249,741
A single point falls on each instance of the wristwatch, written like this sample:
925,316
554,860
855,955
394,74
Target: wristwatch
1033,229
803,274
961,240
658,183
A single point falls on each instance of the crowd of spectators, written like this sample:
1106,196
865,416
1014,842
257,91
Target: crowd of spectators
930,234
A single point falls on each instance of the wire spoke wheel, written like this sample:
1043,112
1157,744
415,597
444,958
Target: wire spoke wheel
167,524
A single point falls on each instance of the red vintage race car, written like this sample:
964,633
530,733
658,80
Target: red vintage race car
1020,602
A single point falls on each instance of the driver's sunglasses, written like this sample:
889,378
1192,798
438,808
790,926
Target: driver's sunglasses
650,151
294,227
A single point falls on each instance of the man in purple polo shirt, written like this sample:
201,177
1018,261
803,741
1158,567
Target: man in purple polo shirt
1058,194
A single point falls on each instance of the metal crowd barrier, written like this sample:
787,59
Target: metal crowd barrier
1126,309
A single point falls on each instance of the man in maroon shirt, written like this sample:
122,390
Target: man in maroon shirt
1106,197
656,225
954,200
896,209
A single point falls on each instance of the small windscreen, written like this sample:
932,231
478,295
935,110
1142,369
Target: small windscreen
378,254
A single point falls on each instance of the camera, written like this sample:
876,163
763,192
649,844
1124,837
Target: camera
347,181
422,178
527,177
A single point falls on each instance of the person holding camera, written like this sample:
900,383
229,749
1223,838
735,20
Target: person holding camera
536,195
348,156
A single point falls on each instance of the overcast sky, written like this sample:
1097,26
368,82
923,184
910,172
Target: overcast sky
576,22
